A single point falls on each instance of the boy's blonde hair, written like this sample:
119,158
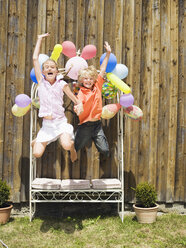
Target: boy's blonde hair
49,60
87,72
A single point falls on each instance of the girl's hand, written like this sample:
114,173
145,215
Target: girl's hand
107,47
40,36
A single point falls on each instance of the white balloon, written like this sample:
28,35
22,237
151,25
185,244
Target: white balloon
121,71
73,65
43,58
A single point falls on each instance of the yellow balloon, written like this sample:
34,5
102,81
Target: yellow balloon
17,111
56,52
109,110
116,81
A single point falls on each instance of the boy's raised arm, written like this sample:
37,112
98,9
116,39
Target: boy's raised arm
106,59
35,57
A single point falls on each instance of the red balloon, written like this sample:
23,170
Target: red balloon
69,49
88,52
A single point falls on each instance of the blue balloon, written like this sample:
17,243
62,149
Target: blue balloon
33,76
111,63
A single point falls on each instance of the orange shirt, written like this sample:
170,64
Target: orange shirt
92,101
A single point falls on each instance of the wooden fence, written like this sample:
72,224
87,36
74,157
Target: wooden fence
148,37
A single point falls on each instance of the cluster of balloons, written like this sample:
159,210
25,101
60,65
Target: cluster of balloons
22,105
76,62
115,74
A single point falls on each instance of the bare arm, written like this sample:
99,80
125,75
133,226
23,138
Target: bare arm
79,106
106,59
35,57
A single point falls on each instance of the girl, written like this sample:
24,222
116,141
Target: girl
50,93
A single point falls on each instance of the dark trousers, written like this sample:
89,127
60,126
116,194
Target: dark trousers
91,130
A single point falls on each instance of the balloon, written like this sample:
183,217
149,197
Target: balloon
109,91
17,111
75,88
76,63
111,62
88,52
133,112
56,52
42,58
118,83
36,103
69,49
110,110
126,100
22,100
33,76
120,71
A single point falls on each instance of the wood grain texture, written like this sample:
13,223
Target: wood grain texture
149,38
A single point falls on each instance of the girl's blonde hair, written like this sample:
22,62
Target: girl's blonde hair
49,60
87,72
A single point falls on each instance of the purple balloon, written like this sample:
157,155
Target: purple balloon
22,100
126,100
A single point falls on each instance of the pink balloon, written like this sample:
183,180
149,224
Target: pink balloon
74,65
126,100
69,49
88,52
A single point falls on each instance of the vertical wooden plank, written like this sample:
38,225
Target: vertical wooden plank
80,24
129,53
146,70
173,99
30,41
52,26
163,101
180,171
61,26
132,174
3,51
41,21
100,27
15,86
154,100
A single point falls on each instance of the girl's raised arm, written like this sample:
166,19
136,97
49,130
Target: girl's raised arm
35,57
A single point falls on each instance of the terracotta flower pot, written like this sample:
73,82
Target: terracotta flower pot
5,214
146,215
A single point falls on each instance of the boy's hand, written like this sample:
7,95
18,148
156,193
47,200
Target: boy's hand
78,109
107,47
40,36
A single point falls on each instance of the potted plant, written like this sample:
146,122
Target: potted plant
145,207
5,207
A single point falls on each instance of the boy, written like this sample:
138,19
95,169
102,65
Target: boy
90,126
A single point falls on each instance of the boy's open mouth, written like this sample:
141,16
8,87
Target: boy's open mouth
50,73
